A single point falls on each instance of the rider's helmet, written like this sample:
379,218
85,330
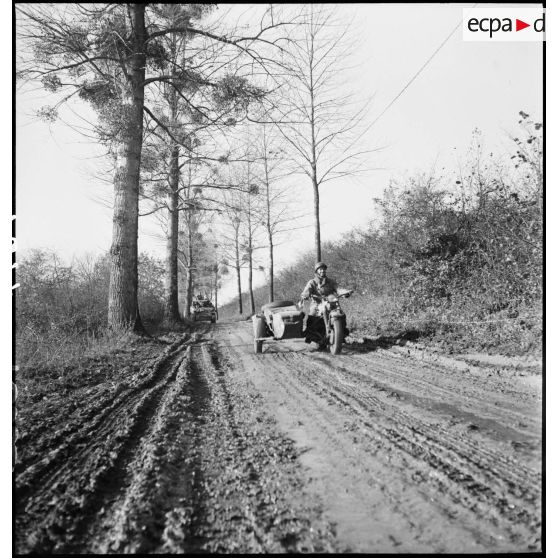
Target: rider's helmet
318,265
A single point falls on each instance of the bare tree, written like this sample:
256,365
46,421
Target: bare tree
191,243
315,116
276,212
232,229
231,246
251,226
255,202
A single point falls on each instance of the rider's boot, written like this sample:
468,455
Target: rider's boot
308,330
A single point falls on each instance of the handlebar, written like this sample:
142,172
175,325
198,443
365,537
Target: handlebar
318,298
342,294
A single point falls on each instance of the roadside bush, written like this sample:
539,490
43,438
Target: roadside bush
61,310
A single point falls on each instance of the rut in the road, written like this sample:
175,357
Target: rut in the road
432,380
164,474
253,487
488,484
182,462
208,478
73,484
430,469
500,465
77,433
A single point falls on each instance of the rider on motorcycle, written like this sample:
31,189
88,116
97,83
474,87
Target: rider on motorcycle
321,285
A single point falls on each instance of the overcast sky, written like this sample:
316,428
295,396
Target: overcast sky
466,85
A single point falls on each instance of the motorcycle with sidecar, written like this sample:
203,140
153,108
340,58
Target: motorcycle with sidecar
285,320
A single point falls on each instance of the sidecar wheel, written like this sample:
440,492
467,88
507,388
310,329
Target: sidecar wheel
336,338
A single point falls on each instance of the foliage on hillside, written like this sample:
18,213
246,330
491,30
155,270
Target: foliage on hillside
454,258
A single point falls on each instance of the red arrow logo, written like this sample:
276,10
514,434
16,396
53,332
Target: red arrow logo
519,25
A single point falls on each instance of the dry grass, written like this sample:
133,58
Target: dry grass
57,350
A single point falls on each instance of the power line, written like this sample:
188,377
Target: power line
416,75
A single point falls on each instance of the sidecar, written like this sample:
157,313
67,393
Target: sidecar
277,320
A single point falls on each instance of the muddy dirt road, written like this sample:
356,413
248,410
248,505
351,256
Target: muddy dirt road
204,446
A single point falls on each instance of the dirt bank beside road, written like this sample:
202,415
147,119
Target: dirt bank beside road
201,445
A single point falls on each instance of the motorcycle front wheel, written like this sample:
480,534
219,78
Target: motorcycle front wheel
336,337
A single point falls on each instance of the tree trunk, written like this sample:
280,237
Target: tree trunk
250,263
216,288
317,239
171,311
314,161
250,280
271,294
237,267
123,311
268,223
190,262
171,308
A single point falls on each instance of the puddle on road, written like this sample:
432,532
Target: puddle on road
473,422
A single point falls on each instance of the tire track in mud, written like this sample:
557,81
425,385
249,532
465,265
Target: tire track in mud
508,466
239,501
379,514
166,474
489,485
189,460
266,510
439,376
174,512
469,480
441,383
505,464
77,434
81,485
379,368
186,463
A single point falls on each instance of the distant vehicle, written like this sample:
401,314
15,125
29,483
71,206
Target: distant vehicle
203,309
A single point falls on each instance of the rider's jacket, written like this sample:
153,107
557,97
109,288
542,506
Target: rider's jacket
318,286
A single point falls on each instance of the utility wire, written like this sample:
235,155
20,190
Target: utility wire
416,75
